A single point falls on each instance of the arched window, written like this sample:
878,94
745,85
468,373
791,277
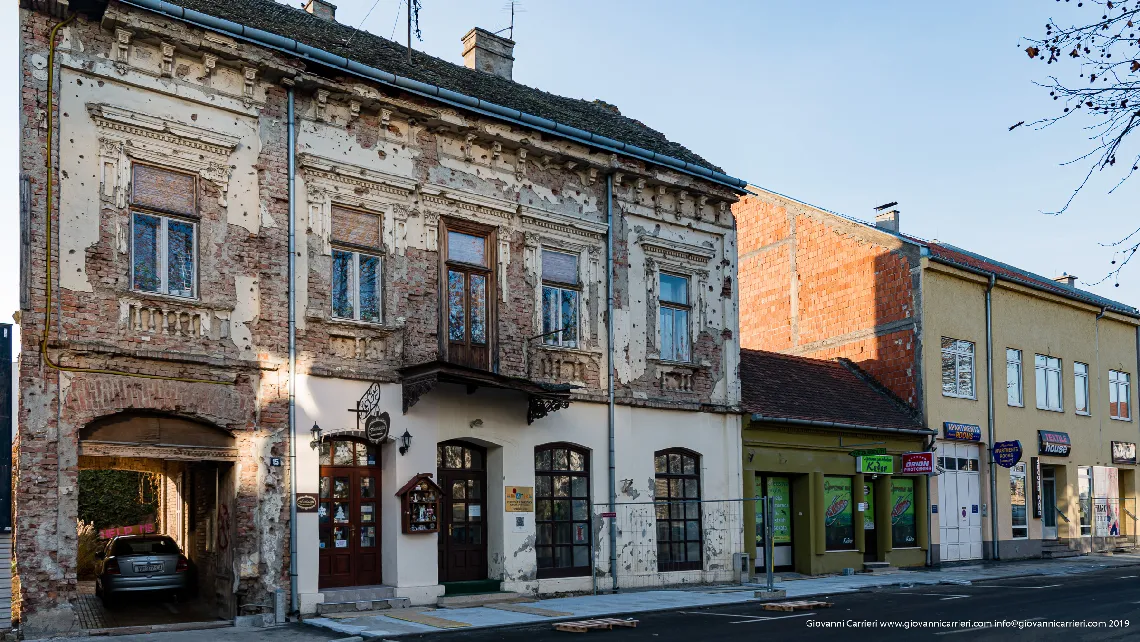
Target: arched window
562,510
677,493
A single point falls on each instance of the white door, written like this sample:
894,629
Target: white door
959,501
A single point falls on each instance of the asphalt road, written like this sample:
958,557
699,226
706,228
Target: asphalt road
1110,598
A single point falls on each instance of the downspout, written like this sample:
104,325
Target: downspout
1099,376
990,399
293,601
610,369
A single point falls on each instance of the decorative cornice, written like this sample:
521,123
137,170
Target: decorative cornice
355,175
562,224
138,124
675,249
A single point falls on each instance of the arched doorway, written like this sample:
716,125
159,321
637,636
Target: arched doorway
349,513
462,473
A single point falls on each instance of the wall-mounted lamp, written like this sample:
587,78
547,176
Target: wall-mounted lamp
477,423
315,431
405,442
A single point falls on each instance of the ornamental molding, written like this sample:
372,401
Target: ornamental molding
564,225
132,123
449,202
355,175
675,250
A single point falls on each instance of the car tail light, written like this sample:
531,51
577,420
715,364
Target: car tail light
183,565
111,567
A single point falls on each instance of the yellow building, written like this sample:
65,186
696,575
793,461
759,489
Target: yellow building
827,443
1066,361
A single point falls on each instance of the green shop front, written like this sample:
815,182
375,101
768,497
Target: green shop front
840,497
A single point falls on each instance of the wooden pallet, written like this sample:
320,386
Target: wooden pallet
799,605
581,626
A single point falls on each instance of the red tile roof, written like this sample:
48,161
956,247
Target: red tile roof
783,387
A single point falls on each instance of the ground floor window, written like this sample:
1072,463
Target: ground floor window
1084,496
677,497
1017,501
903,529
838,521
562,510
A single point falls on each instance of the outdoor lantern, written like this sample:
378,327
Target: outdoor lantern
406,442
315,431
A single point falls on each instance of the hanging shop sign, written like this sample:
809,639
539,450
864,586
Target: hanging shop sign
1123,452
133,529
961,432
917,463
376,423
519,499
875,464
1007,453
1055,444
306,502
868,451
1038,496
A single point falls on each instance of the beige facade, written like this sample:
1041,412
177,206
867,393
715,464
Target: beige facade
1034,323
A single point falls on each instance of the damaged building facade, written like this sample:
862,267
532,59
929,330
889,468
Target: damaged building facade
456,241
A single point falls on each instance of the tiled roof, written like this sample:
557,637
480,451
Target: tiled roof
957,256
786,387
381,53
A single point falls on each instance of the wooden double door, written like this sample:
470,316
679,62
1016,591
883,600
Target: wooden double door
349,515
462,474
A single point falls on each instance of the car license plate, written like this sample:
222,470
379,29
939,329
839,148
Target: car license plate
148,568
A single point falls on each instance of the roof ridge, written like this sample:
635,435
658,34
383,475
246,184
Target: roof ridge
878,387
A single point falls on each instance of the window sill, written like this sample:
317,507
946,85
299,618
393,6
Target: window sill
1083,414
158,296
1123,419
1060,410
970,398
1015,405
677,364
572,350
353,323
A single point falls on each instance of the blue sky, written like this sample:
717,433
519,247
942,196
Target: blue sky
840,104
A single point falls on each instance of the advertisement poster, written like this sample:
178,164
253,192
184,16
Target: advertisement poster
903,530
868,508
838,523
1106,501
780,490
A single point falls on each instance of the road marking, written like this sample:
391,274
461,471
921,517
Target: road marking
779,617
944,596
1127,577
751,618
1016,587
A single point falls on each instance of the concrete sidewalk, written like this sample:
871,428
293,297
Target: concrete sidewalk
392,623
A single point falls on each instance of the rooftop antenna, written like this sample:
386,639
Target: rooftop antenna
413,17
513,7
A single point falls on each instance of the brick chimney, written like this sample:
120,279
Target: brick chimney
1066,279
489,53
321,9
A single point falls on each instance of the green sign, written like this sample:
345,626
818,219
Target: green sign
838,525
869,511
902,513
869,451
780,490
875,464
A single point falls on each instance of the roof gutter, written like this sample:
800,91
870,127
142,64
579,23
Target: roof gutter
1032,286
833,424
435,92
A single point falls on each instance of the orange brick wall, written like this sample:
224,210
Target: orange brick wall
817,285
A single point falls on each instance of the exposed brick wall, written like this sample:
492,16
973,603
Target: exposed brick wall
817,285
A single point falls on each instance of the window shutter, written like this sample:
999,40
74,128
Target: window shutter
164,190
559,267
355,227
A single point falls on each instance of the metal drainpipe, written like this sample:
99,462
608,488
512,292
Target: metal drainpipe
610,369
990,399
293,601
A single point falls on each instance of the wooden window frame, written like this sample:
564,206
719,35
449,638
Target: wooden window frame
568,571
489,271
165,216
668,501
687,307
357,250
556,340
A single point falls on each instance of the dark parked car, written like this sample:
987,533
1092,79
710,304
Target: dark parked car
142,563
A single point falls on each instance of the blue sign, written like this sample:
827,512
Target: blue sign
1007,453
934,508
962,432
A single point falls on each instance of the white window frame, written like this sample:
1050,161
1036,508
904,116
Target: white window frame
354,285
556,340
1081,380
1013,360
1018,472
957,351
1120,382
163,242
1085,474
673,306
1042,392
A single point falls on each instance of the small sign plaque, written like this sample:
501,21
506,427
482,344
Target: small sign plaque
1007,454
520,499
307,502
875,464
